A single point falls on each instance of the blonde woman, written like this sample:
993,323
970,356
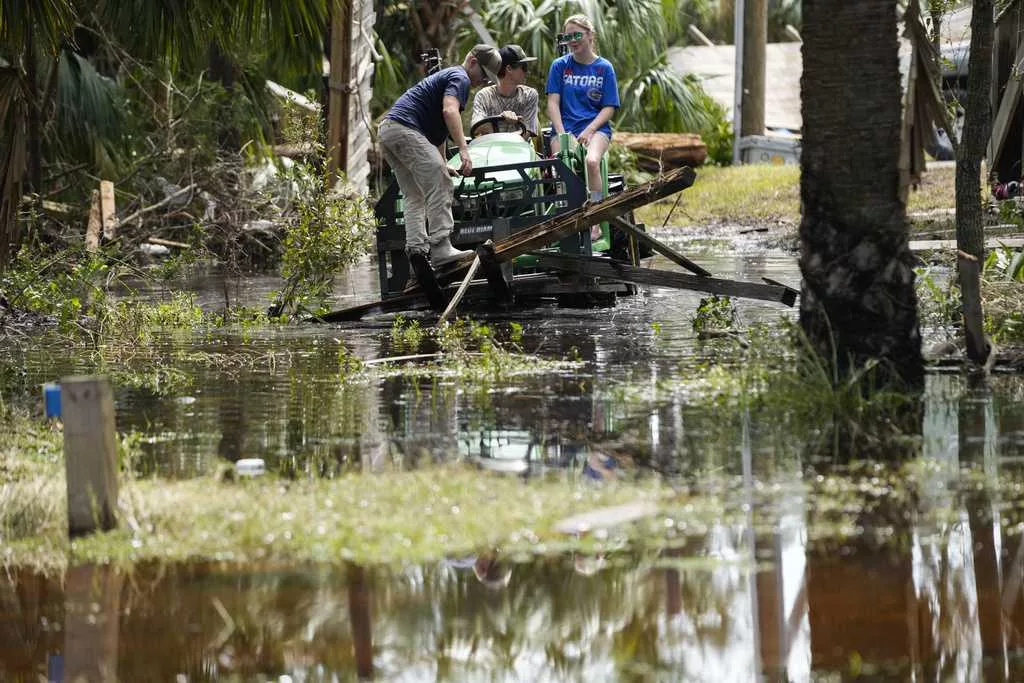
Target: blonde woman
583,95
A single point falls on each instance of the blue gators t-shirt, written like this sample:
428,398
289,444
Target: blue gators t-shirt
419,107
584,89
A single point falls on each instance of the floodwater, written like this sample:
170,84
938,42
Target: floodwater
758,597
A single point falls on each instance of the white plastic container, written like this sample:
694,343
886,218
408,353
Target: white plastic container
769,149
250,467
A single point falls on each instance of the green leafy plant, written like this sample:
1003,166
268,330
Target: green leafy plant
407,334
715,313
938,298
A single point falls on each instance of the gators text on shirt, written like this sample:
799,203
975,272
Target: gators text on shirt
584,89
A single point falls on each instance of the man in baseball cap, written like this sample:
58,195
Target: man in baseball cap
513,55
489,60
412,136
511,98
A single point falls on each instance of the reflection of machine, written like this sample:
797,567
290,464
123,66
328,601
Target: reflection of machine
515,451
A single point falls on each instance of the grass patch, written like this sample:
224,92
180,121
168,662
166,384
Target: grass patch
936,192
733,194
761,193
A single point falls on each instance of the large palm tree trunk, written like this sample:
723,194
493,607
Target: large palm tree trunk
858,299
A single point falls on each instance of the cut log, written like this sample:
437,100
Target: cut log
95,225
108,210
657,151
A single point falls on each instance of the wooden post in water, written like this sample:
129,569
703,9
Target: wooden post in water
90,453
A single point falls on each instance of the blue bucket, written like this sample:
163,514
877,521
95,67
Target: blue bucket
51,398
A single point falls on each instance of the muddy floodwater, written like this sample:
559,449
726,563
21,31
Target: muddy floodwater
930,590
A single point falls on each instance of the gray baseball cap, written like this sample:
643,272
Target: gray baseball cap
489,59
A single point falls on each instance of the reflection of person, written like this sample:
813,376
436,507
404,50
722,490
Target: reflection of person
412,137
510,97
583,95
491,572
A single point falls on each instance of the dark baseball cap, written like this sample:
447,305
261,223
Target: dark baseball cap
513,54
489,59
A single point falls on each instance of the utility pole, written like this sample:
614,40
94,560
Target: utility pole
737,106
755,37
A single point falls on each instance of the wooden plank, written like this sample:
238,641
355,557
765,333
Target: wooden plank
108,210
1004,118
90,453
92,229
660,247
616,270
461,291
552,230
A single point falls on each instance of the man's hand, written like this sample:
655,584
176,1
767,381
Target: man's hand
509,115
467,165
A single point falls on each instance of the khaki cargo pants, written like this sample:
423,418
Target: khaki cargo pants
423,177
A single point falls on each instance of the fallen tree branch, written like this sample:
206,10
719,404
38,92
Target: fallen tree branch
153,207
168,243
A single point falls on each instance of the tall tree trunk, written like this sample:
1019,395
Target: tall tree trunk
755,38
858,300
35,124
970,236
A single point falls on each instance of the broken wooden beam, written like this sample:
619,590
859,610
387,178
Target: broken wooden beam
543,234
617,270
660,247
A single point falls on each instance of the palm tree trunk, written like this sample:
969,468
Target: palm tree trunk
35,124
858,301
970,237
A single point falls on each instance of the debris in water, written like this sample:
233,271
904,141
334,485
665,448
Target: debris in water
603,518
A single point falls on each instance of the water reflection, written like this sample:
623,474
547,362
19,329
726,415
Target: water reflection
939,600
757,597
211,398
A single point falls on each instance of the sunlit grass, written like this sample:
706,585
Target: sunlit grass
761,193
937,190
733,194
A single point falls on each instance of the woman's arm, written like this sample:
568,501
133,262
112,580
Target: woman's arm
555,112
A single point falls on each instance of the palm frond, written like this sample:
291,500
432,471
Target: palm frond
162,30
290,25
46,20
659,99
88,121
